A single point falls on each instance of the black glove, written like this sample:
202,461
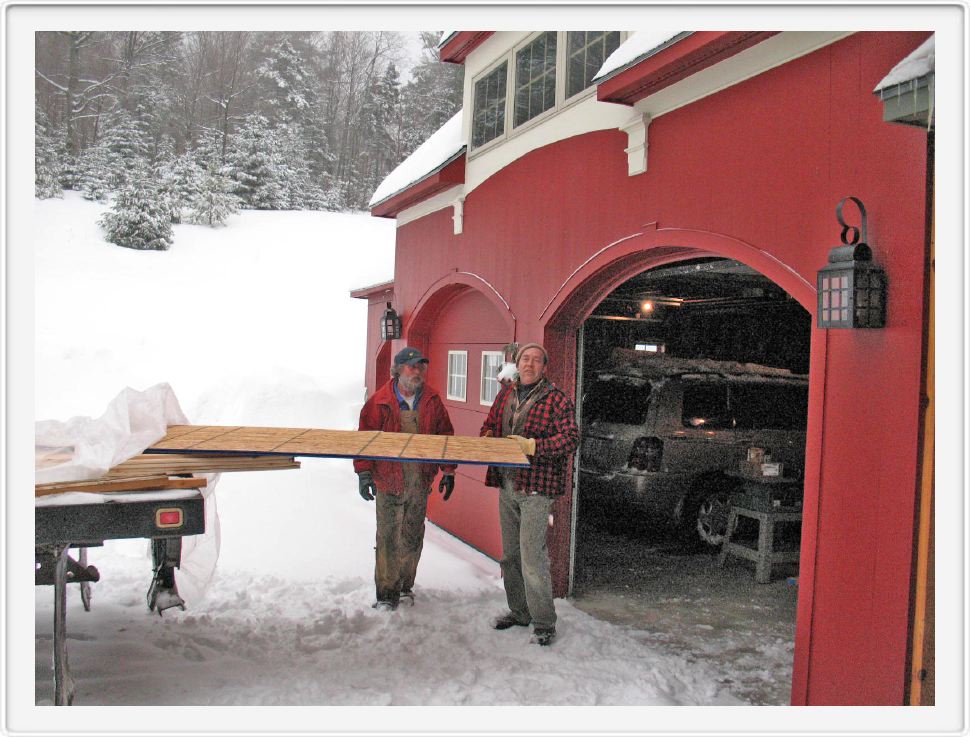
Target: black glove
368,489
446,485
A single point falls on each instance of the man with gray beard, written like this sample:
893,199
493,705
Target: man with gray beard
404,404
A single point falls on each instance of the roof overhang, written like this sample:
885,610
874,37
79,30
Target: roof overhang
910,102
458,46
672,63
447,175
373,291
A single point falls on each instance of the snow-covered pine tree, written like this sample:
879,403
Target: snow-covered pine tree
287,88
48,155
180,180
139,217
255,166
214,202
126,146
94,173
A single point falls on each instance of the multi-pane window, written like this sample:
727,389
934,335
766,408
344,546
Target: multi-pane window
537,87
457,375
489,115
535,78
491,365
585,53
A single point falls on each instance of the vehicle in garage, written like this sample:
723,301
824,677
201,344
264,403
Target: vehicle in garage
669,437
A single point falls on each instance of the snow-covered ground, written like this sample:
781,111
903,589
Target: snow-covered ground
253,324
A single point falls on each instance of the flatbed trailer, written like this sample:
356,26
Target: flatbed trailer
163,516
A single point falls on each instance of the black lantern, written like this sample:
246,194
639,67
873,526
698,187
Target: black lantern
851,289
390,324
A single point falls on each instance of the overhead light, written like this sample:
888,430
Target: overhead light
646,306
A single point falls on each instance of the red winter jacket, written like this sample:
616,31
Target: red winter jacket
552,422
382,412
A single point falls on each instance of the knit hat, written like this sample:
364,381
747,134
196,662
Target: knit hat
526,347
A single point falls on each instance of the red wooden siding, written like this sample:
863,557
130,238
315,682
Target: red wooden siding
467,322
754,171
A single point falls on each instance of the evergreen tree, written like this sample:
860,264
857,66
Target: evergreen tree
214,202
287,89
95,174
139,218
126,148
180,180
48,154
254,164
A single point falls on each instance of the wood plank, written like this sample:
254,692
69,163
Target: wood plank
320,443
100,486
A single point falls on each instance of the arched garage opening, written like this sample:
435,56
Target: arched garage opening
463,325
727,336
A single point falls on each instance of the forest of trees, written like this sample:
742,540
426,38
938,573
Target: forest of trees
202,123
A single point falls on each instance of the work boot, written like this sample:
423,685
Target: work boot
506,621
384,606
408,595
543,635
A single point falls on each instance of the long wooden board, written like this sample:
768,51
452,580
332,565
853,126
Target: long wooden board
371,445
103,486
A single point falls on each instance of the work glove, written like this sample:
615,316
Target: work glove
527,445
368,489
446,486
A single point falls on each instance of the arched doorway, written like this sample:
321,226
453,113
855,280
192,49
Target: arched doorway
750,280
462,325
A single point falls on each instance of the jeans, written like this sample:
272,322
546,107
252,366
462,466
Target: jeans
525,557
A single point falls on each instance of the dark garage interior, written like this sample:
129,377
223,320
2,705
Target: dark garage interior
637,569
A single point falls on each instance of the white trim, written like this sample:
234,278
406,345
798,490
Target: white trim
434,203
637,144
464,378
768,54
482,378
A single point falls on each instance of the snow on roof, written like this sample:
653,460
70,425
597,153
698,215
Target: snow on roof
445,35
639,45
918,64
443,145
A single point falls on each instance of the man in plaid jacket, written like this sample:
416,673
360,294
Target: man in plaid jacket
542,419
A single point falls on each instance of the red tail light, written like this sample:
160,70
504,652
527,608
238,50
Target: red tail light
646,455
165,518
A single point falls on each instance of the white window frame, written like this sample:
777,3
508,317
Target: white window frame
451,374
561,101
490,379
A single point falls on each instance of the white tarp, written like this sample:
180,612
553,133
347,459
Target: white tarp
90,446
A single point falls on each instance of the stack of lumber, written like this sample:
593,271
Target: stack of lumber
104,486
154,472
172,464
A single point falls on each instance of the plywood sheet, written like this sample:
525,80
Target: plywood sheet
372,445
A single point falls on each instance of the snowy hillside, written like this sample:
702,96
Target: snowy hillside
253,324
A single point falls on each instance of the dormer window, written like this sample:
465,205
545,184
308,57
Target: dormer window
535,78
538,91
586,51
489,120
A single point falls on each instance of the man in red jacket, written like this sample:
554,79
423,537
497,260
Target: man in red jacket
404,404
542,419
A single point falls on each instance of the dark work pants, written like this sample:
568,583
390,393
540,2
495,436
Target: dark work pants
400,538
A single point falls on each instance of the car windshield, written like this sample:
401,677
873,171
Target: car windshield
615,400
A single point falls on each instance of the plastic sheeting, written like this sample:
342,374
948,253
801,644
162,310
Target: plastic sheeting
89,447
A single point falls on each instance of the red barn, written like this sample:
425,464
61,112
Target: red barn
584,160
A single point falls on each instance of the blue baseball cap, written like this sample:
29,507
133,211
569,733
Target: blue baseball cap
410,356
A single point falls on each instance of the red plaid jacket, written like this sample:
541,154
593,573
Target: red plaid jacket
382,412
552,422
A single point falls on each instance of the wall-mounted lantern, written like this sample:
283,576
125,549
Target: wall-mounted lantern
851,289
390,324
